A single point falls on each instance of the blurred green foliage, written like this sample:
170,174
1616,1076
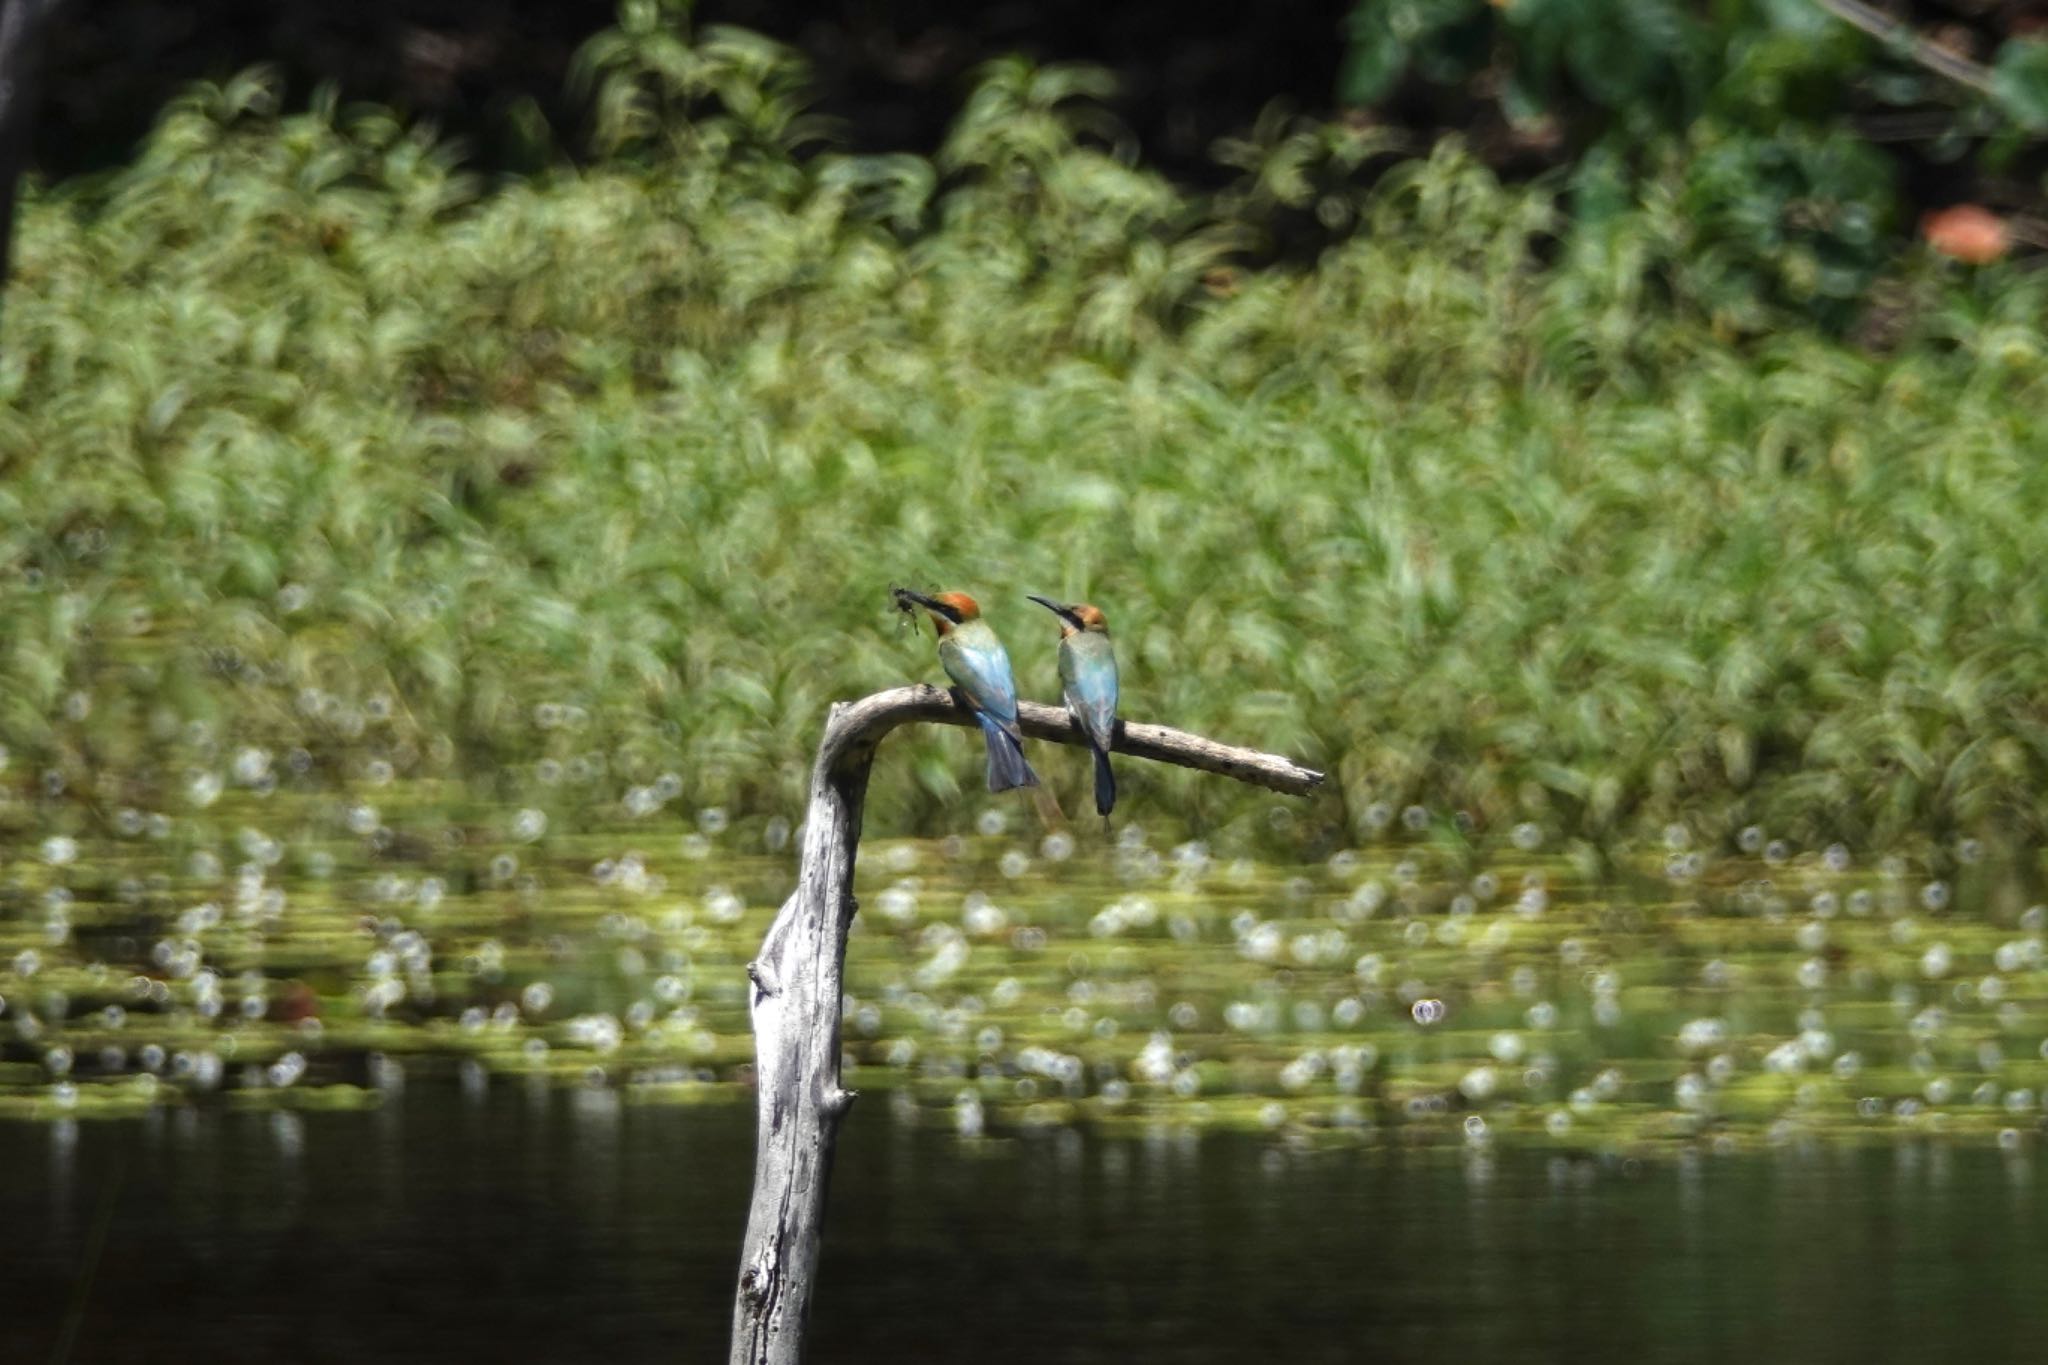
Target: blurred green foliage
2020,82
1754,119
306,441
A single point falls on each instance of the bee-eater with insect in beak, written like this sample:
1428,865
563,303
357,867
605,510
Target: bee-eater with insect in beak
1088,680
980,669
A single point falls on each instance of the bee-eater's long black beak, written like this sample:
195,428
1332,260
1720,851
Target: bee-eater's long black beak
929,604
1065,613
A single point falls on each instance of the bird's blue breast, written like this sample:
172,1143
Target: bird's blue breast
981,667
1088,672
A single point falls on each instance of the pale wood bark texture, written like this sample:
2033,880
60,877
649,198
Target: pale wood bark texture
797,990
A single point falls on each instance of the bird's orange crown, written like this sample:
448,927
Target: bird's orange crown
967,607
1074,617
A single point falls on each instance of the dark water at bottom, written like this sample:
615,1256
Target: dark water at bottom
536,1227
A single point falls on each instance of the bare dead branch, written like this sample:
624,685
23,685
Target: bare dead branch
858,727
797,986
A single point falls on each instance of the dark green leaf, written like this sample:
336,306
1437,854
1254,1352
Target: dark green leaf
2019,82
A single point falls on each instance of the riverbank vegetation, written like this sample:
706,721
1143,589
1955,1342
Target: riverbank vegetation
422,597
314,443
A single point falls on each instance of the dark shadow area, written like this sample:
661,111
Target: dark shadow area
534,1225
893,76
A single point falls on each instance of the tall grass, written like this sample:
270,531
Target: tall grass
311,440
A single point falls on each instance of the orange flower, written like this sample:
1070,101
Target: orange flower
1968,232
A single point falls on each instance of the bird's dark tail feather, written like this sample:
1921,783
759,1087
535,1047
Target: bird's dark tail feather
1006,765
1105,785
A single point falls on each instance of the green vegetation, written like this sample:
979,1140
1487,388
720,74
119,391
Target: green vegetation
1791,140
311,444
385,558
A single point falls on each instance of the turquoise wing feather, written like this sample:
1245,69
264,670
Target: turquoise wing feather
1088,680
979,665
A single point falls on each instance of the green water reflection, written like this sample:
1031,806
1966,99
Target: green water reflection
312,951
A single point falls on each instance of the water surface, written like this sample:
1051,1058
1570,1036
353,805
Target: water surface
528,1225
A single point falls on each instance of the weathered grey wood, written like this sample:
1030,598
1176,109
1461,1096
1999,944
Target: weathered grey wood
797,989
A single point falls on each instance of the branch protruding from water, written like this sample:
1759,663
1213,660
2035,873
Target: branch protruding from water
797,989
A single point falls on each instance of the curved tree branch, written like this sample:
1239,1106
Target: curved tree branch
797,990
856,728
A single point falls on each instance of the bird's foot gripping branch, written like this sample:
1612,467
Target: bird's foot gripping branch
797,987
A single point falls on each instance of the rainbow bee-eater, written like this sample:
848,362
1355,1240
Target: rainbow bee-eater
1088,682
980,669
